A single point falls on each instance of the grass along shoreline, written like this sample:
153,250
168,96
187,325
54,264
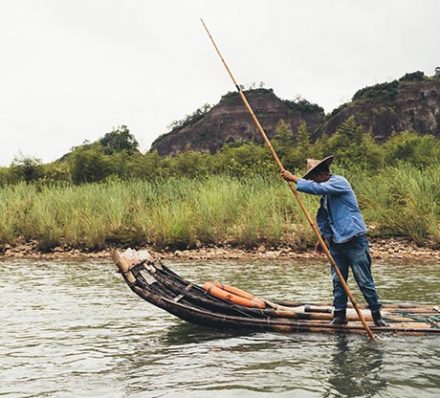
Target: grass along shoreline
180,213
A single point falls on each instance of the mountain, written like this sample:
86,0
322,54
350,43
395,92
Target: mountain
411,103
208,129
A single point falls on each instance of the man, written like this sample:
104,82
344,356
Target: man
343,228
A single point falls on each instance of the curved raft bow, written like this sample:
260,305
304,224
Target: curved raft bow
162,287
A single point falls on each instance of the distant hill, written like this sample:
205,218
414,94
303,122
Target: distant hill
208,129
411,103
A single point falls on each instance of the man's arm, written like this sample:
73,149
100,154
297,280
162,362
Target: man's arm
288,176
331,187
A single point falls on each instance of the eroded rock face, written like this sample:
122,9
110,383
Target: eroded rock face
229,121
401,105
418,108
408,106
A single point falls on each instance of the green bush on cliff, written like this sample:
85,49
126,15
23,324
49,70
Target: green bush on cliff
302,105
386,91
194,117
413,77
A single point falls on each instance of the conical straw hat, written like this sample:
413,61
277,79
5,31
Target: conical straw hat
314,165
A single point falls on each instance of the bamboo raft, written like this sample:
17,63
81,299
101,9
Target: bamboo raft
160,286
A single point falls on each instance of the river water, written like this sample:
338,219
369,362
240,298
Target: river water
74,329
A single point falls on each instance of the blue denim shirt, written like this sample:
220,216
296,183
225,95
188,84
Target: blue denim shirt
339,218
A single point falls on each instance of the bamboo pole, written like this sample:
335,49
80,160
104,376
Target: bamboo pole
292,188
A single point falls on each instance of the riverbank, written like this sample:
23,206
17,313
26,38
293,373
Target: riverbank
381,249
184,213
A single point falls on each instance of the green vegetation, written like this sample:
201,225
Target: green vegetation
116,156
189,119
302,105
386,91
168,212
413,77
180,212
107,192
402,200
233,95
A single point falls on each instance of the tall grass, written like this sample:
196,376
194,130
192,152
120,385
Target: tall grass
402,200
180,212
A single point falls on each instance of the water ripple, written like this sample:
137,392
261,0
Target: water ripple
74,329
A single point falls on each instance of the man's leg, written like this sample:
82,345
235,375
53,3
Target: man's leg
360,260
339,295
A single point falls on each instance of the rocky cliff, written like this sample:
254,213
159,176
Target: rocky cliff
411,103
229,121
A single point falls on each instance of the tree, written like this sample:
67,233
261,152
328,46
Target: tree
5,176
303,139
351,132
27,169
118,140
90,165
189,119
301,148
386,91
190,164
413,77
283,138
420,150
352,146
146,166
57,172
248,159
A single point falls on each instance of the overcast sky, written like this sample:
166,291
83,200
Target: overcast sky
71,70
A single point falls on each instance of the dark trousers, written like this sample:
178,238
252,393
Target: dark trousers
354,254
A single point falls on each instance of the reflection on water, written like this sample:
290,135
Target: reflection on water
75,329
184,333
356,369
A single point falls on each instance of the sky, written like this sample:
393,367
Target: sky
72,70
